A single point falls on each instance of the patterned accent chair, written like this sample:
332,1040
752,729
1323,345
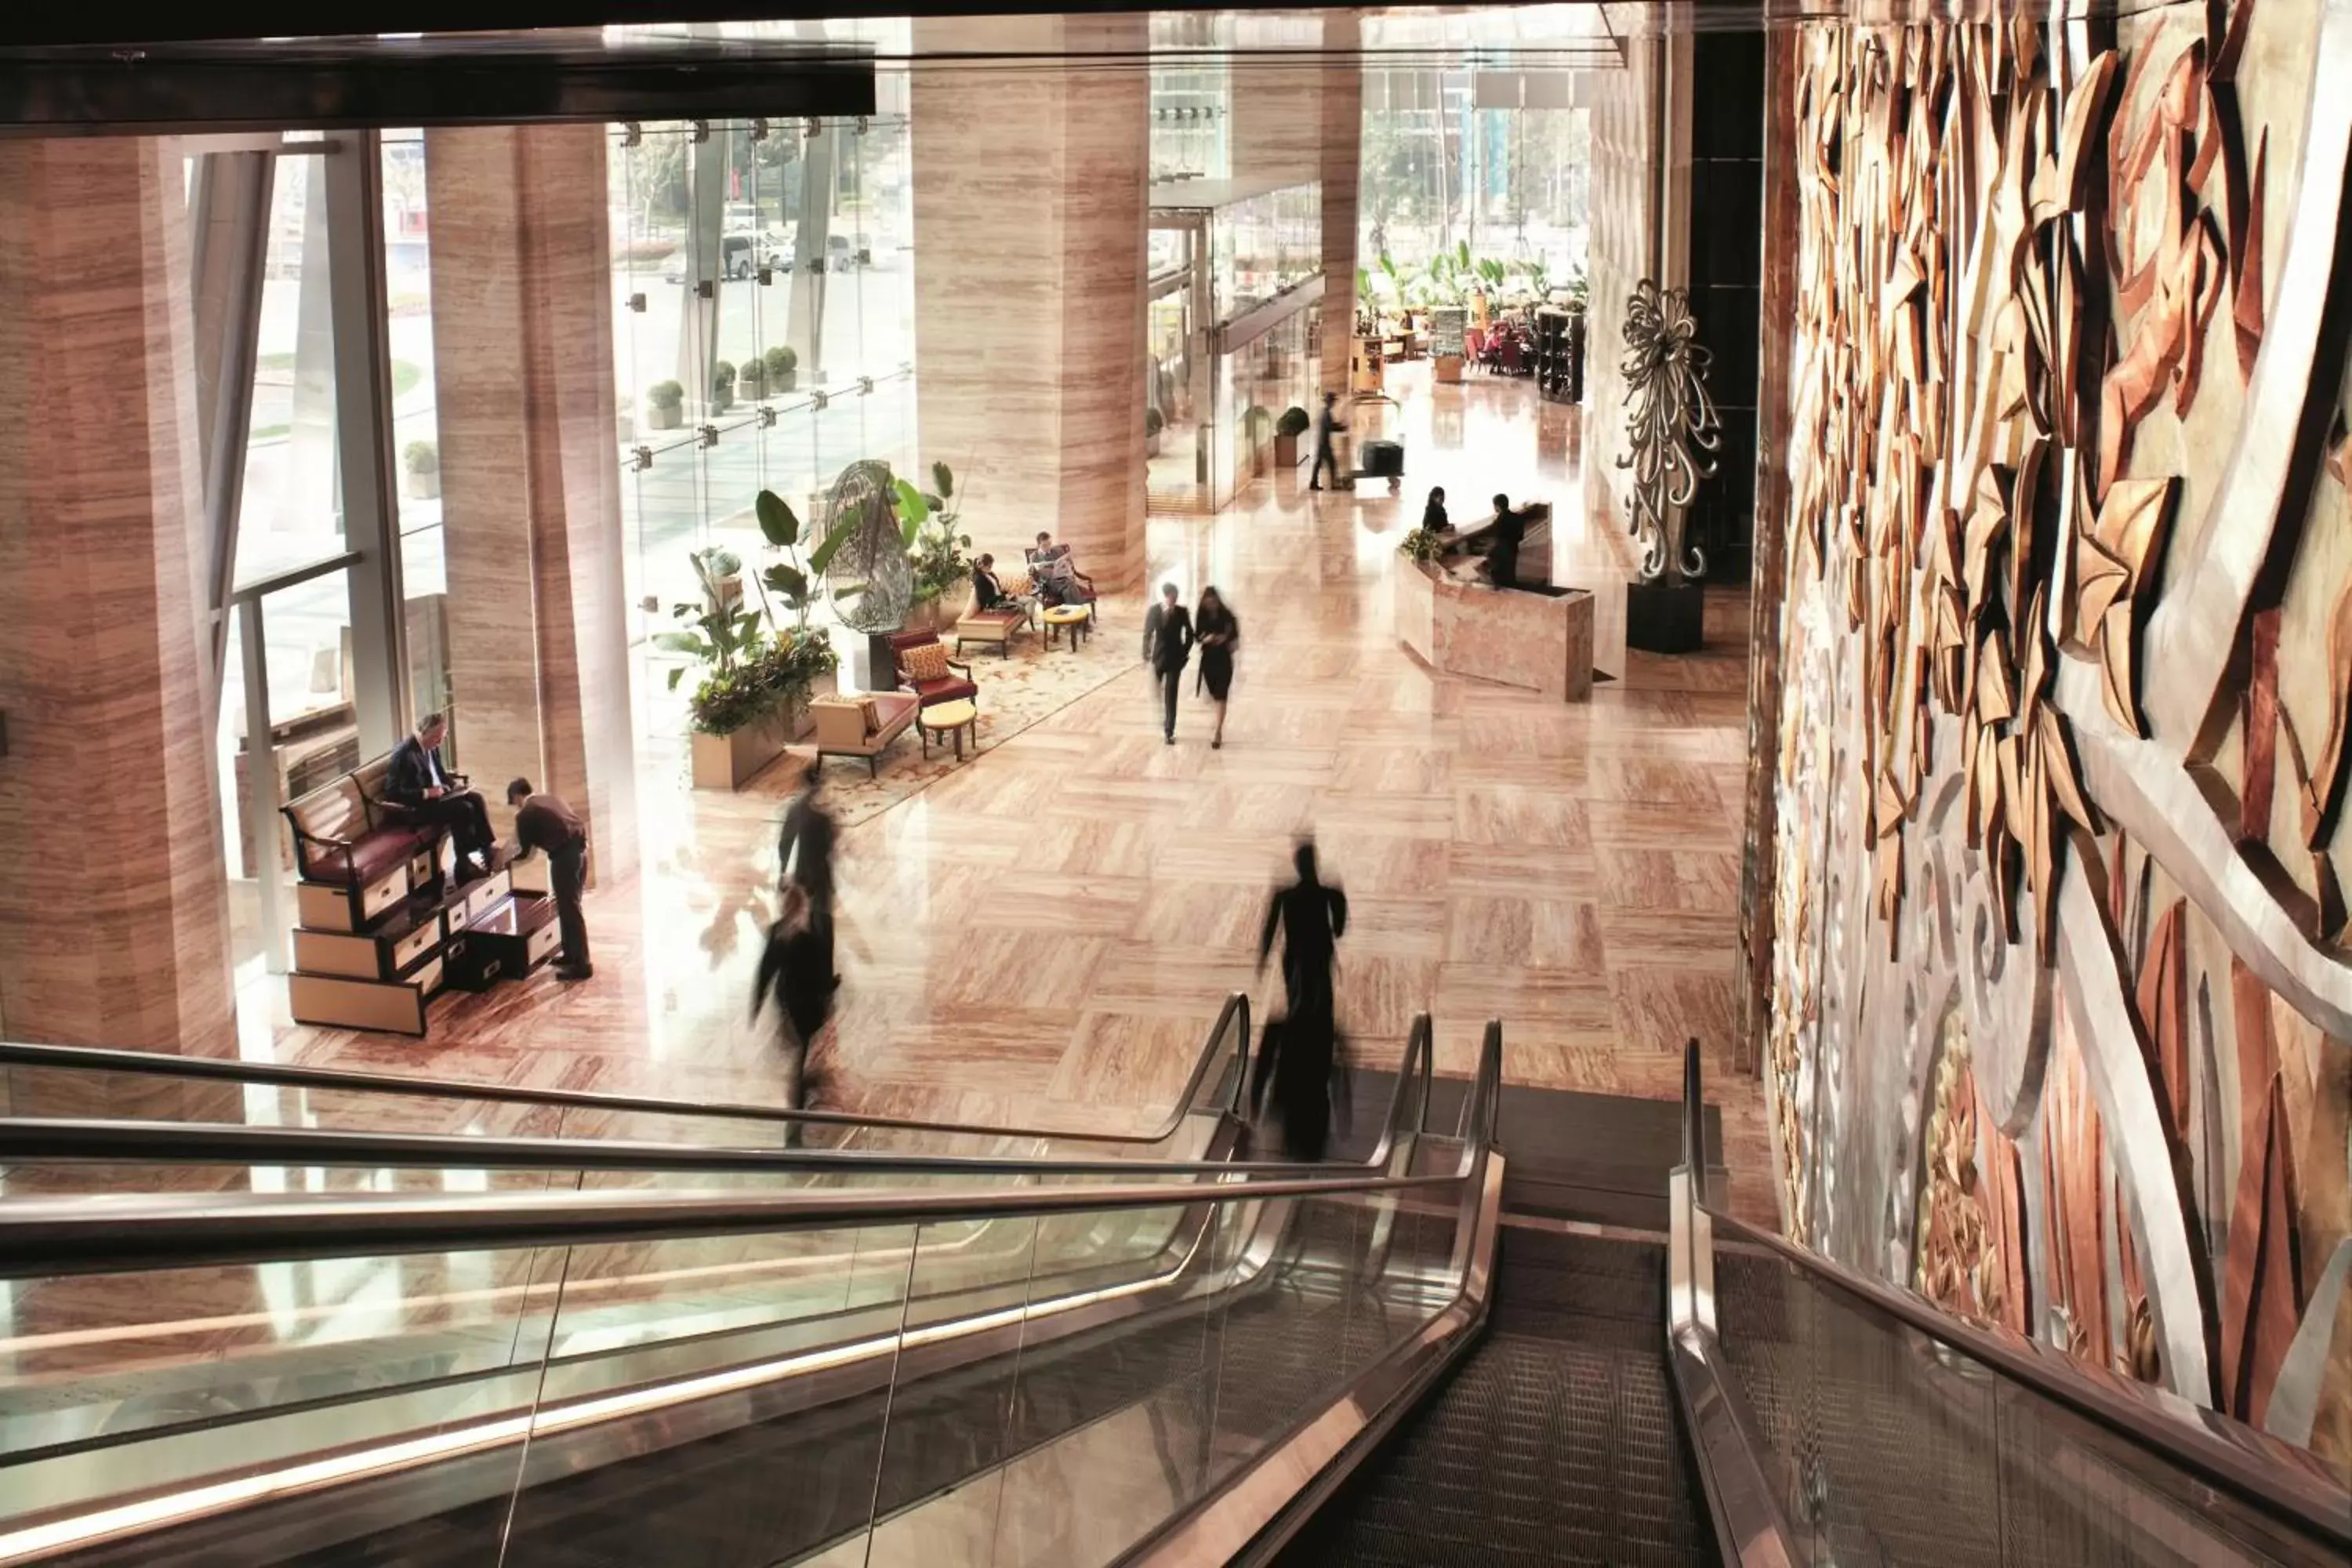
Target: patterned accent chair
953,683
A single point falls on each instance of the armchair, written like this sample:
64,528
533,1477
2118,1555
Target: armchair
953,685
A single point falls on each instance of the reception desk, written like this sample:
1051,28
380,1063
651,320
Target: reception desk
1537,637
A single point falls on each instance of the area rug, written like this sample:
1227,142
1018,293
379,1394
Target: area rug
1018,689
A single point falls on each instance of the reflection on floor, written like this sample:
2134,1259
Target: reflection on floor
1046,933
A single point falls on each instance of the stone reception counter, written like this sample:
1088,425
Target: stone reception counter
1540,637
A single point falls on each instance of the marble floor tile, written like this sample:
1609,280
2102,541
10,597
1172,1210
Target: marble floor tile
1043,934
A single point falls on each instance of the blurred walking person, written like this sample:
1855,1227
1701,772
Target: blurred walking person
1298,1056
804,850
1311,916
1168,645
796,975
1215,633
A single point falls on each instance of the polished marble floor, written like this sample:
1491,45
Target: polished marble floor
1046,932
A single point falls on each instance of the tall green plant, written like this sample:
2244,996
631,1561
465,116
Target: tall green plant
927,524
793,579
725,635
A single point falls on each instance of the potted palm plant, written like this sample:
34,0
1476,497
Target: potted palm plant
935,549
732,706
421,462
799,662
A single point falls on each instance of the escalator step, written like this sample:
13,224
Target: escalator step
1549,1447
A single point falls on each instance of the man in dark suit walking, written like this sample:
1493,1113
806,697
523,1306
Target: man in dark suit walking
1168,645
428,793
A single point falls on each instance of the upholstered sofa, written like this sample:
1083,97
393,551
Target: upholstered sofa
862,726
348,834
953,684
1016,612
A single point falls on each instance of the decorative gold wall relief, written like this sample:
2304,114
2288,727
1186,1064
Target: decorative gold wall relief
2033,256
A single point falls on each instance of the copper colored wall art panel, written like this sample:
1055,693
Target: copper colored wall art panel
2061,1004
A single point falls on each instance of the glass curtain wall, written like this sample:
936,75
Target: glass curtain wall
763,337
1495,159
288,516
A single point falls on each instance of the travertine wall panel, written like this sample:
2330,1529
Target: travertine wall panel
113,913
1030,191
522,336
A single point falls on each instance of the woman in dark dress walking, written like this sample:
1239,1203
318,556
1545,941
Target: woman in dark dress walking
1215,633
796,974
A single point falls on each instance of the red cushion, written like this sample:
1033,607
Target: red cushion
949,689
370,856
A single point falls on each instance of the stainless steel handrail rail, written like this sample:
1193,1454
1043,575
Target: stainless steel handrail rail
2249,1464
45,1236
89,1059
118,1142
109,1234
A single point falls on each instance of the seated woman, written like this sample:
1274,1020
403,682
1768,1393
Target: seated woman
988,594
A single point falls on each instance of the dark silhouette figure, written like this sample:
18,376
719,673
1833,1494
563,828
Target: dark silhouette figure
1216,632
1168,645
1328,426
1433,516
1299,1053
796,974
804,850
1503,555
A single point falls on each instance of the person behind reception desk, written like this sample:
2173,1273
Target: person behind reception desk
1503,555
418,783
544,822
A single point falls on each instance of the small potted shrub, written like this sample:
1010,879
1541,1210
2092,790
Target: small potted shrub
751,379
422,463
665,405
722,387
782,367
1287,432
1152,425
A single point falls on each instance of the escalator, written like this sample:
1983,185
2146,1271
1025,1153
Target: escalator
769,1356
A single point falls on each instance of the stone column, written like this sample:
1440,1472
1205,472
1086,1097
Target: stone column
113,909
1030,205
522,348
1341,162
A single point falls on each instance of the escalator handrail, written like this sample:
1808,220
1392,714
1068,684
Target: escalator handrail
2271,1475
114,1141
91,1058
30,1140
83,1234
41,1236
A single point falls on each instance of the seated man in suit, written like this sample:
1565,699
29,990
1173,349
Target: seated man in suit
428,793
1057,575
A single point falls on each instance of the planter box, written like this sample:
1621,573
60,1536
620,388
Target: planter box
722,401
1151,446
1285,451
664,419
424,486
729,762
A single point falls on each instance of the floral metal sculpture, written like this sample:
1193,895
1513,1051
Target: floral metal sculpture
1671,422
